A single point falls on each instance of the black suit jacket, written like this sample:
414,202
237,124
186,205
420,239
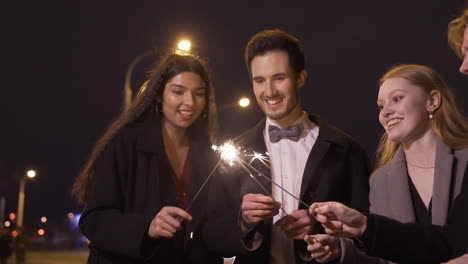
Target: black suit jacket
337,169
131,184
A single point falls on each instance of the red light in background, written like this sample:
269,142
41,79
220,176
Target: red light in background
14,233
12,216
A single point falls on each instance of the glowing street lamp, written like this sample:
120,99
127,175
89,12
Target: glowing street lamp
19,232
29,174
244,102
184,45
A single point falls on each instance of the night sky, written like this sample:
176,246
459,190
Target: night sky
64,65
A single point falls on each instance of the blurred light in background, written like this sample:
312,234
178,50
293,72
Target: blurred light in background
31,173
12,216
184,45
75,220
41,232
244,102
43,219
7,223
70,215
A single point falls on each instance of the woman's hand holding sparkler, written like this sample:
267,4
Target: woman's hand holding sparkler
339,220
167,222
296,224
256,208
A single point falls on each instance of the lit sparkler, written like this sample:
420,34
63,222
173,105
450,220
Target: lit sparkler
229,153
260,157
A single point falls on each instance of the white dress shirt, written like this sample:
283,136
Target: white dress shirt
287,160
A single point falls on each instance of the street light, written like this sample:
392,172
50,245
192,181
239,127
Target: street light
21,240
30,174
244,102
184,45
128,93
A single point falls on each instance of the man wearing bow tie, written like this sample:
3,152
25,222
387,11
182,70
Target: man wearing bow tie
309,159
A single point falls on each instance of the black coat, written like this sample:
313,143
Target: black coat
337,169
131,184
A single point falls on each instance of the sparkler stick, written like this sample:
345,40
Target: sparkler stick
273,182
204,183
264,189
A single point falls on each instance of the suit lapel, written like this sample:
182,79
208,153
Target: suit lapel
310,180
400,201
444,162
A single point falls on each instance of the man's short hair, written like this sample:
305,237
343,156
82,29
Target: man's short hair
275,39
456,30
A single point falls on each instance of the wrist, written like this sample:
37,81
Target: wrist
363,225
246,225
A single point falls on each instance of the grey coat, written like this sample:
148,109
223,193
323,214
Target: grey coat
390,194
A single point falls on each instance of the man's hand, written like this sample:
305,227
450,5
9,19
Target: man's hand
297,224
256,208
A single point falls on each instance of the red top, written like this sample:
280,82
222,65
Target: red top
182,183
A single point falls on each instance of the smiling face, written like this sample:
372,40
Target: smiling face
403,113
276,87
183,100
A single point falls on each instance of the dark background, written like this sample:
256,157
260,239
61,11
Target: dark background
64,64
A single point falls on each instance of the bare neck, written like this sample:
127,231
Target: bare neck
422,150
173,136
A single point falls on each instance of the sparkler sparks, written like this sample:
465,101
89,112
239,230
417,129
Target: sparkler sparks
260,157
229,153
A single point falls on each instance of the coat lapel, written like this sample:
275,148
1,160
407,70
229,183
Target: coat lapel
444,161
310,179
316,155
150,143
462,163
400,201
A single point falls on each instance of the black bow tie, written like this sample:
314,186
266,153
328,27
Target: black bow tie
292,133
